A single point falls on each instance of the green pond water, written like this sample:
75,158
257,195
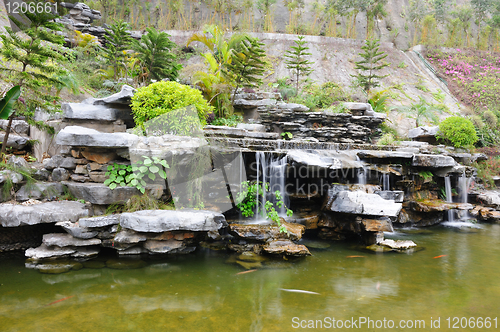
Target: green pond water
203,292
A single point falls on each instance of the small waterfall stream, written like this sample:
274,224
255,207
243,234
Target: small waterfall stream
271,170
361,174
449,197
386,184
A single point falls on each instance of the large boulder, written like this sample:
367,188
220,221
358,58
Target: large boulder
12,215
158,221
361,203
14,141
78,111
265,233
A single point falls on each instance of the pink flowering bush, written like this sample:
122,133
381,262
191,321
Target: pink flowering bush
473,76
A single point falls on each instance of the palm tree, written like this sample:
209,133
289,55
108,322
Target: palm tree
422,111
154,52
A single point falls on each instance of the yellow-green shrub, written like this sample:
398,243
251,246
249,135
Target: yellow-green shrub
163,97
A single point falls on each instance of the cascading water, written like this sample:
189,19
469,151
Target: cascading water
449,197
361,174
271,170
386,184
464,185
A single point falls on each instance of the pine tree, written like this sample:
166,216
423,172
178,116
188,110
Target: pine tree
154,52
117,42
370,65
296,60
247,64
30,62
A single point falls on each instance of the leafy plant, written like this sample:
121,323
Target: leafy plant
7,102
163,97
296,60
402,65
422,111
378,101
247,64
154,51
386,139
117,42
29,62
368,77
457,130
231,121
321,96
287,135
426,176
250,202
135,175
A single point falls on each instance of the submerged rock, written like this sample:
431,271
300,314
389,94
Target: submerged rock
125,264
398,244
285,247
57,267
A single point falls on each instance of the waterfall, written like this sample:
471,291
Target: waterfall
257,162
464,183
361,174
386,184
449,197
271,170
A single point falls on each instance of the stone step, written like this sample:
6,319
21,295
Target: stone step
85,137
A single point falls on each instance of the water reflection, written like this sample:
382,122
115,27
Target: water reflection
204,293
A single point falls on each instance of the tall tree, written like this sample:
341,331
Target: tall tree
440,8
265,7
464,14
247,65
370,65
297,62
154,50
117,42
481,10
34,65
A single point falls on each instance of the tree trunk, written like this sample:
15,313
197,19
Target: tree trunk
7,133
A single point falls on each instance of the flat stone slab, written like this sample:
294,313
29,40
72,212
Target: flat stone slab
75,230
86,137
13,215
362,203
376,154
432,160
98,193
86,252
158,221
101,221
231,132
285,247
77,111
327,159
394,195
437,205
44,251
66,240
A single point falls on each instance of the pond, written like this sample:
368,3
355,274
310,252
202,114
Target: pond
455,275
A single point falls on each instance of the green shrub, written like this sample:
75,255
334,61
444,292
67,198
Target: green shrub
163,97
232,121
457,130
490,118
386,139
321,96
